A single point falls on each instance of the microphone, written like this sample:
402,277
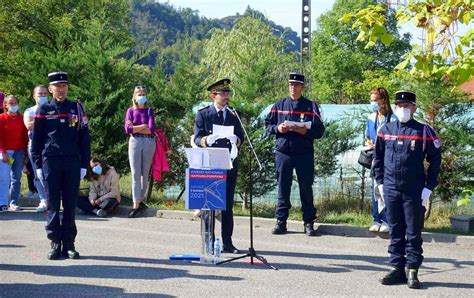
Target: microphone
232,111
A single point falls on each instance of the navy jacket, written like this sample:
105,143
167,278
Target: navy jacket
400,151
208,116
60,130
301,110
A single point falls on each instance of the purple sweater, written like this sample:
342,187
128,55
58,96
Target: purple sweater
138,117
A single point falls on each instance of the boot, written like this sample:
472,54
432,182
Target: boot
69,251
309,229
55,251
413,282
395,276
280,228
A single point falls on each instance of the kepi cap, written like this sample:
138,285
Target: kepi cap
57,77
296,78
405,96
221,85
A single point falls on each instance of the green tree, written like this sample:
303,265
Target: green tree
338,57
89,40
259,77
441,54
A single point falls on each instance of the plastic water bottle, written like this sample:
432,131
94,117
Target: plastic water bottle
217,248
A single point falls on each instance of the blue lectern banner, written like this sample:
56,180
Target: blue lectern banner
206,189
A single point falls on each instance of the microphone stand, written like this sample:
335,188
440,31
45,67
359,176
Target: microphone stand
252,254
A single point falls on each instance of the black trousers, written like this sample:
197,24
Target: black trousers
108,204
61,180
303,164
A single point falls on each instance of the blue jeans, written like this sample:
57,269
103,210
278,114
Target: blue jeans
10,177
38,184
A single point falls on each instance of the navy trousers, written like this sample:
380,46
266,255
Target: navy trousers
61,179
405,216
304,166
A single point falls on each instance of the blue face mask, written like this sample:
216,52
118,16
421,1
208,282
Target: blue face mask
13,109
42,100
97,170
141,99
374,106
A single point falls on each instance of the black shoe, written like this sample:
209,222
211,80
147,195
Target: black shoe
230,248
395,276
55,251
413,282
280,228
142,206
69,251
134,212
309,229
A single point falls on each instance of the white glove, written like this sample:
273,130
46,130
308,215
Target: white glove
425,197
233,139
39,174
83,173
211,139
381,200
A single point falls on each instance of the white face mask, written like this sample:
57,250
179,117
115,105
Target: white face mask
403,114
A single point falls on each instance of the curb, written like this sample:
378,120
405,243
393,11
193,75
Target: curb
323,228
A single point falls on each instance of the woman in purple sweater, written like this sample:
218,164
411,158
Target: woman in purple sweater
140,126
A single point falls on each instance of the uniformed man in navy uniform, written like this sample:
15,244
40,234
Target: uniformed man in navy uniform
61,152
400,151
219,113
294,150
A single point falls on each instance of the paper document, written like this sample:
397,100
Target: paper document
290,124
222,131
208,158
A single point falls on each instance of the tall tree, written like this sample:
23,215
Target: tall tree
338,57
89,40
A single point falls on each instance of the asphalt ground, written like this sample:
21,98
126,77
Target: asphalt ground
129,257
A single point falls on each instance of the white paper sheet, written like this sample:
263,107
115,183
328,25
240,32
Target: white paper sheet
208,158
222,131
290,124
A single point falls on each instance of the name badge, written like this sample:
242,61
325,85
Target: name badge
400,142
62,120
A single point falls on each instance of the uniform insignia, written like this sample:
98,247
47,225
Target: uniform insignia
400,142
412,145
437,143
301,117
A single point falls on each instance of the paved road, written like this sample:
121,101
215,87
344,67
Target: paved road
129,257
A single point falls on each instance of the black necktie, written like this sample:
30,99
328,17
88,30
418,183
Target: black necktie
221,115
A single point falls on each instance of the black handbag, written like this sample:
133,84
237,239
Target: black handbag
365,158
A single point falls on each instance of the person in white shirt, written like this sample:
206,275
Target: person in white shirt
40,95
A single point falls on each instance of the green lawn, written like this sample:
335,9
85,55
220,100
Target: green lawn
336,210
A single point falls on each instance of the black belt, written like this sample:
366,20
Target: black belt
140,135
